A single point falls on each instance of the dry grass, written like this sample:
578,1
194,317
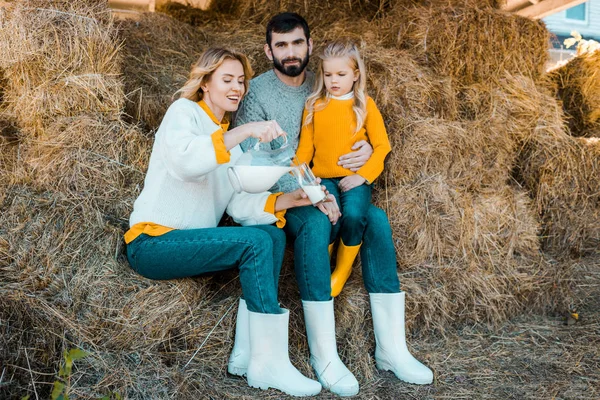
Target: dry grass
470,44
577,84
61,60
157,55
471,155
568,196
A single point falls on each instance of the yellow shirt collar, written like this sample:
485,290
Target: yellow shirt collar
223,124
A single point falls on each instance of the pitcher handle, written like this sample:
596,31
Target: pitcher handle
235,180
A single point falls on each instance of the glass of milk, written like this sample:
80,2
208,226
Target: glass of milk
308,182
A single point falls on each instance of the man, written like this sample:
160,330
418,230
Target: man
280,94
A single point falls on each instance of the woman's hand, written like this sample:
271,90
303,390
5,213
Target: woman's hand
297,198
264,131
330,208
350,182
356,159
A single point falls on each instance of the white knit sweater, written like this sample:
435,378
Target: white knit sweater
185,187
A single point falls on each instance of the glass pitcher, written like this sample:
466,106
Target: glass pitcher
259,169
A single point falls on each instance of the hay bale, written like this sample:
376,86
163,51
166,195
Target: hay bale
560,172
577,85
469,257
402,89
157,53
435,222
87,158
470,44
470,155
568,195
60,61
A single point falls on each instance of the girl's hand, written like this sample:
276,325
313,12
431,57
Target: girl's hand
350,182
357,158
330,208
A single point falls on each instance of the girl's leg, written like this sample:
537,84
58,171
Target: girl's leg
354,204
186,253
378,254
332,187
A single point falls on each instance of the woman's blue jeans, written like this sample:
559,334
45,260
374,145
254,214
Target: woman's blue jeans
312,232
354,205
257,251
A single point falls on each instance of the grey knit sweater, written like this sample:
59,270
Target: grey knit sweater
270,99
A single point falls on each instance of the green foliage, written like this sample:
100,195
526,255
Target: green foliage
60,391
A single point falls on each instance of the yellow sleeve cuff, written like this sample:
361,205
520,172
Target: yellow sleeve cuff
149,228
221,152
270,208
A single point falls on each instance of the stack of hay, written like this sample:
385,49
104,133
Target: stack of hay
466,234
566,168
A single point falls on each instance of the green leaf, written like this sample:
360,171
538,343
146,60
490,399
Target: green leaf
68,366
57,390
25,397
77,354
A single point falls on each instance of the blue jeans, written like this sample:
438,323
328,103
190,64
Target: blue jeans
312,232
354,205
257,251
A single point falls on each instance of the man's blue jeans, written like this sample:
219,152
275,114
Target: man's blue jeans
257,251
312,233
354,205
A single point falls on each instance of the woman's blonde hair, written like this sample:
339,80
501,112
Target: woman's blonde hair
203,69
338,49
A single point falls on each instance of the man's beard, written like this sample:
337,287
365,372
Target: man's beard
291,70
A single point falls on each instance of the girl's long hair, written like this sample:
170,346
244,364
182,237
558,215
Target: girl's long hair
203,69
340,48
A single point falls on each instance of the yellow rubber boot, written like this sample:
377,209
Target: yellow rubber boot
330,249
345,258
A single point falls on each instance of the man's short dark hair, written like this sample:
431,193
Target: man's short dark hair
286,22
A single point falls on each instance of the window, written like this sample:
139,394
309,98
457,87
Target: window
578,13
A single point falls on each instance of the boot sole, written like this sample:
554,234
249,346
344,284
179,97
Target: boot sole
384,366
266,385
340,392
239,371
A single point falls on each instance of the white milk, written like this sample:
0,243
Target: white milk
256,179
314,193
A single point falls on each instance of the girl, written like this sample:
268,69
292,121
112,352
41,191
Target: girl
173,227
337,114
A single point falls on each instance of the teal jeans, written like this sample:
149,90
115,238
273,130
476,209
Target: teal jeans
354,205
257,251
312,232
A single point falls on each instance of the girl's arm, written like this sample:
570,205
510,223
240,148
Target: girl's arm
378,139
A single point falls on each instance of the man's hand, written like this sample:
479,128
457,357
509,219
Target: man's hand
330,208
350,182
357,158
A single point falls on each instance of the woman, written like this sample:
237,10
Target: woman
174,231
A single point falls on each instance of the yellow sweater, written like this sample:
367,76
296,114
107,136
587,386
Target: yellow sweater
331,134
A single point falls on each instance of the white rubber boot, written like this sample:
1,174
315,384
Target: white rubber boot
238,360
391,353
269,365
320,330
